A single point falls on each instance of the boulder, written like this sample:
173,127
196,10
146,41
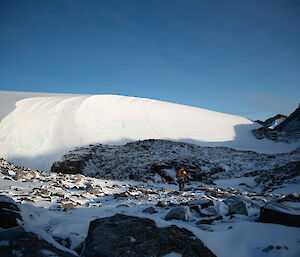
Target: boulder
179,213
122,235
203,203
268,215
9,213
17,242
197,205
209,211
150,210
236,206
161,204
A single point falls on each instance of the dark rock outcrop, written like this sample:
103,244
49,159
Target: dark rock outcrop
71,166
142,161
291,123
9,213
271,121
122,235
268,215
287,131
17,242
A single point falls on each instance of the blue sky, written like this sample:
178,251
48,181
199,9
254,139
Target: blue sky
239,57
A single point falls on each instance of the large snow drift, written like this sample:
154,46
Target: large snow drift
41,128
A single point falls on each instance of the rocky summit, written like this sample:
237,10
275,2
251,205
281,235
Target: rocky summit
280,128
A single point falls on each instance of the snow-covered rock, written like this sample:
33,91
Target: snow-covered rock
148,160
179,213
236,206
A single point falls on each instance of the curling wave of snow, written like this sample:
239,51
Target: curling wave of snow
41,128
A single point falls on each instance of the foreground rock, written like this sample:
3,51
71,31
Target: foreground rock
17,242
9,213
123,235
268,215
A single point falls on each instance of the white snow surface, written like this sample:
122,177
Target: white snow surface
37,128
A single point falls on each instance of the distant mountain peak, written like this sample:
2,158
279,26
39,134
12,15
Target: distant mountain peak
280,128
272,121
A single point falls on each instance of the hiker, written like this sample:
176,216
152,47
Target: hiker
181,178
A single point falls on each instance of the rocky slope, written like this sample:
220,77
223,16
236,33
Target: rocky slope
157,161
68,215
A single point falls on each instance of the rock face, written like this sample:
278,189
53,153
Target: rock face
272,121
9,213
286,131
17,242
268,215
179,213
122,235
291,123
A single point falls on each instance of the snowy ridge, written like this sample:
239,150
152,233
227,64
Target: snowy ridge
41,129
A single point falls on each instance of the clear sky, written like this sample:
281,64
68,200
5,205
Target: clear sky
239,57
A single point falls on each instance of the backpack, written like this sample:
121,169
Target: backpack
181,173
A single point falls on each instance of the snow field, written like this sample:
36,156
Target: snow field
44,127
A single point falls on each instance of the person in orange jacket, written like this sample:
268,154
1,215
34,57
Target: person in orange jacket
181,178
